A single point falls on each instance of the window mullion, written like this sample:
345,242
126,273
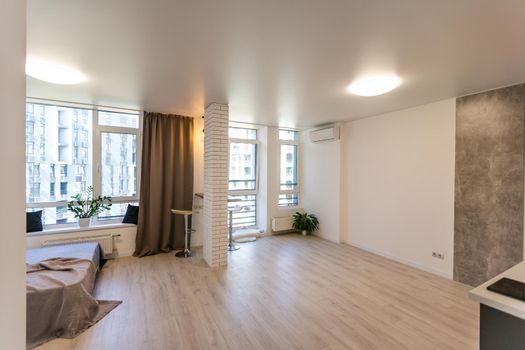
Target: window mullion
47,204
288,192
96,156
250,141
139,155
242,192
117,129
123,199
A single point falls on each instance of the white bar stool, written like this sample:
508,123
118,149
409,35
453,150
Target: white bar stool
186,253
231,246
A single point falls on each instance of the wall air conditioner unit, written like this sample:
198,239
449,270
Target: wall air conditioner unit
326,134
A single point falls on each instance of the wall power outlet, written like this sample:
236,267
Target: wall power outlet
438,255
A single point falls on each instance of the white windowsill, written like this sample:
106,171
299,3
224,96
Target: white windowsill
79,229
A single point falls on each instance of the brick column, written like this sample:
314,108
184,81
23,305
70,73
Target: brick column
216,159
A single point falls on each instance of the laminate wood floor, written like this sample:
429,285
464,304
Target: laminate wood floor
281,292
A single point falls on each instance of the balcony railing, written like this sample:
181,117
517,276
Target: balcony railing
290,186
244,210
248,184
288,200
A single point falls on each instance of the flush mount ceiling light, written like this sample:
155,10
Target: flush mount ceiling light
374,86
53,73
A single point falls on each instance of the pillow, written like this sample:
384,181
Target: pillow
34,221
132,215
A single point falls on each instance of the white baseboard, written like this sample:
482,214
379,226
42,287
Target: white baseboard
320,235
130,252
124,254
447,275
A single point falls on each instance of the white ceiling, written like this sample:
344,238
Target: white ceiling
284,62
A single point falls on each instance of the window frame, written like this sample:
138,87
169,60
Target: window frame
96,156
295,143
255,191
256,187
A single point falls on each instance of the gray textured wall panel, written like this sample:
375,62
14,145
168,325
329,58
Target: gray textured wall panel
488,213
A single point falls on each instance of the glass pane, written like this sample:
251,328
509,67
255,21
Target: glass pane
243,160
243,133
288,200
119,164
126,120
118,210
55,215
57,138
244,210
288,135
288,167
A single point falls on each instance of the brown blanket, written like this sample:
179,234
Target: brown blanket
59,300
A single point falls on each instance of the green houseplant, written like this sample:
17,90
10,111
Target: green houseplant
306,223
85,209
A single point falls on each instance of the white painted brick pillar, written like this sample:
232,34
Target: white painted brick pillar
216,164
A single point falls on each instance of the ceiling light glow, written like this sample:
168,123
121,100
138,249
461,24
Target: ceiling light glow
53,73
374,86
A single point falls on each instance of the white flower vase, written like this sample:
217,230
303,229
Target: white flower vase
84,222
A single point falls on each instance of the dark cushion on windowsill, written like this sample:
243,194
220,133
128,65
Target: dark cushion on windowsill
132,215
34,221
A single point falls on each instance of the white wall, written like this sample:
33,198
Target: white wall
398,190
272,169
263,222
12,186
320,165
198,180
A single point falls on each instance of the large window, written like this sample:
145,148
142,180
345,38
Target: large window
243,176
118,135
289,188
69,149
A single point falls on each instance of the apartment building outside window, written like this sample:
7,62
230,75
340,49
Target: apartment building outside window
243,174
79,148
288,185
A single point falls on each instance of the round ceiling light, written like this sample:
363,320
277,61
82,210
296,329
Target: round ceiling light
53,73
374,86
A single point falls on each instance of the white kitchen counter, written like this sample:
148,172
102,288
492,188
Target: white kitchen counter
498,301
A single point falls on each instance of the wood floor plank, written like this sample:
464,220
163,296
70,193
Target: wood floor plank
280,292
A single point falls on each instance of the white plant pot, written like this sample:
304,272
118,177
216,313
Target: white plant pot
304,232
84,222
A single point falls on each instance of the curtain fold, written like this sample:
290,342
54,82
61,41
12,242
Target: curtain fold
166,182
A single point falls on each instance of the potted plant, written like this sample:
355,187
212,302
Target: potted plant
85,209
304,222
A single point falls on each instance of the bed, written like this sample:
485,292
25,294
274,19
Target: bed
89,250
59,283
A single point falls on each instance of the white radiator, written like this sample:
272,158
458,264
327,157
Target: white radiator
105,241
283,223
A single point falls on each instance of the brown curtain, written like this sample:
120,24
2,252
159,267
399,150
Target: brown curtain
166,182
